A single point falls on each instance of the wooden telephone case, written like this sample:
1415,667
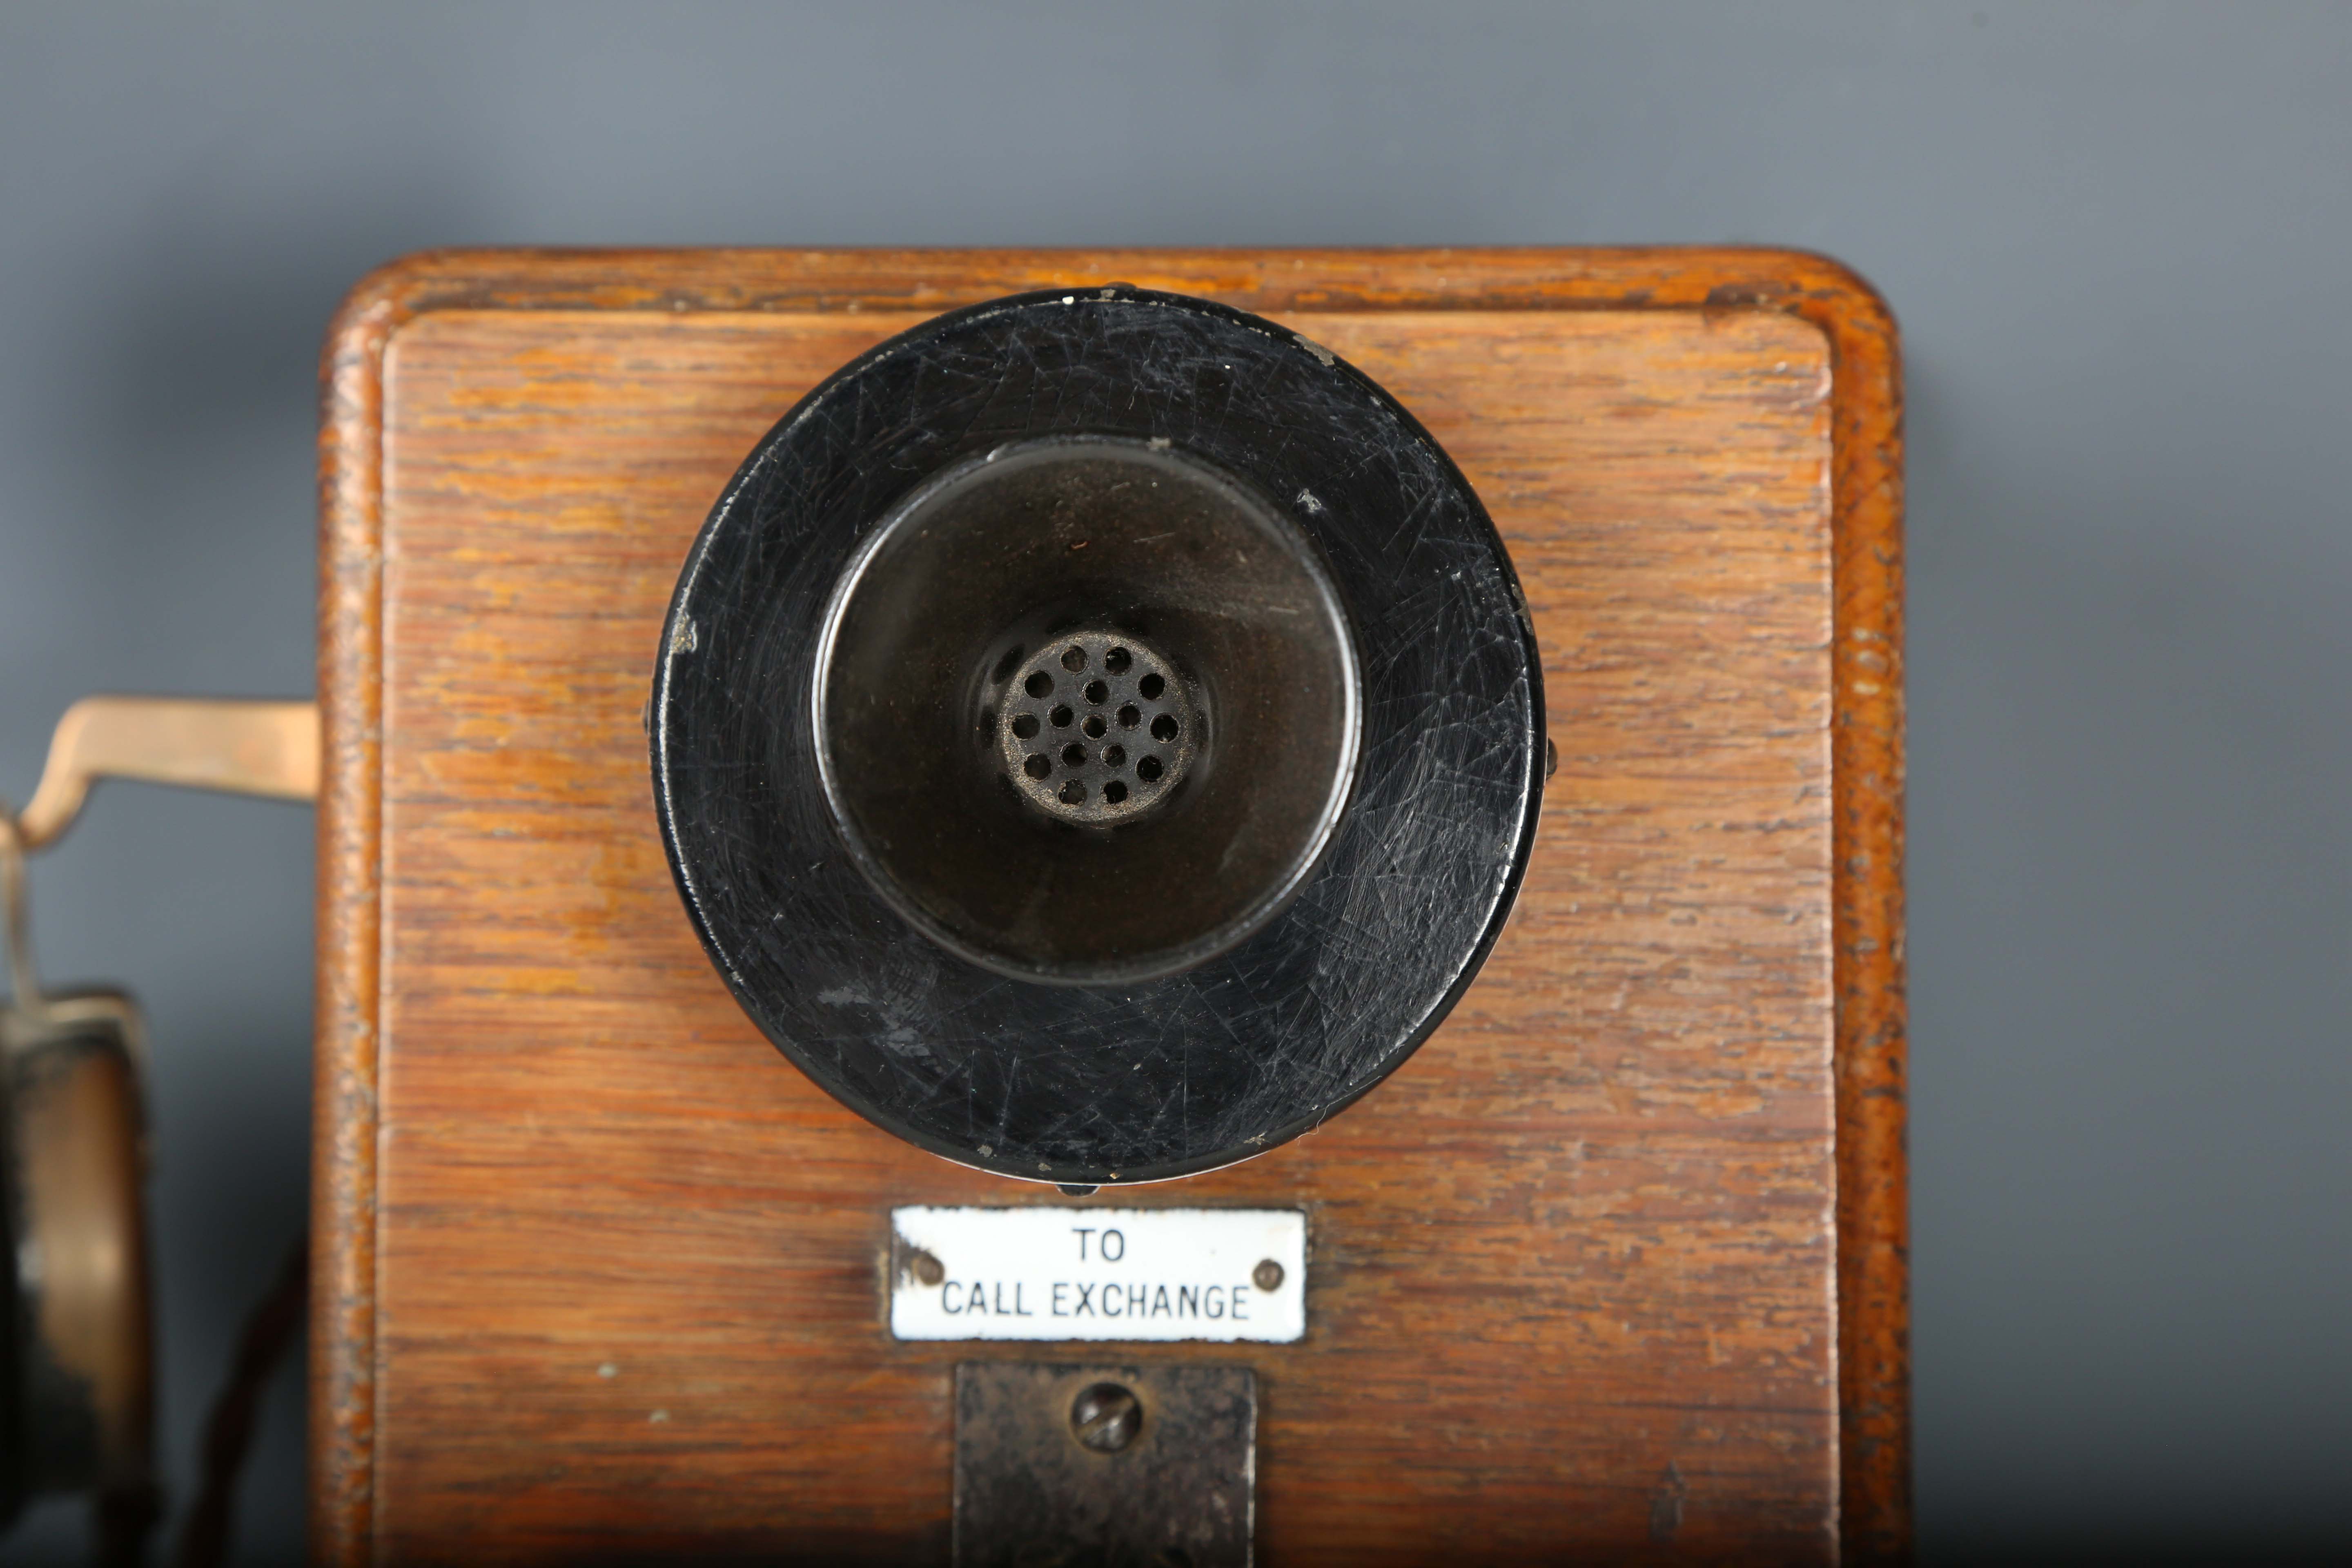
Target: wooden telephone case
1614,1267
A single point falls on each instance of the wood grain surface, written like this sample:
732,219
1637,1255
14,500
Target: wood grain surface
1613,1268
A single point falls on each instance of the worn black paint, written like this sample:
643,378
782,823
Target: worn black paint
1082,1085
1104,1464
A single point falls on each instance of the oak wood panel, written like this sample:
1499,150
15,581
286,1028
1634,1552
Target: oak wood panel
1576,1278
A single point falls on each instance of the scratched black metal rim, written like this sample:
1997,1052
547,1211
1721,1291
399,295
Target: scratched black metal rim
1235,1055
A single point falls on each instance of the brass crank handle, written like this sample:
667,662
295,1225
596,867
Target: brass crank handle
243,748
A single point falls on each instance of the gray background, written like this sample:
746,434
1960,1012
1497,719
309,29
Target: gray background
2116,236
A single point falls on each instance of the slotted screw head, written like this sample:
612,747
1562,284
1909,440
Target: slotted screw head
1106,1417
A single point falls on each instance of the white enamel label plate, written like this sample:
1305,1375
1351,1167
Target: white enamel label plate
1098,1274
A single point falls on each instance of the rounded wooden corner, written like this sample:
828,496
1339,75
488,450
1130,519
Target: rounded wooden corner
372,307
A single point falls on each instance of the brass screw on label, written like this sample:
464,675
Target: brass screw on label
1106,1417
1267,1275
930,1270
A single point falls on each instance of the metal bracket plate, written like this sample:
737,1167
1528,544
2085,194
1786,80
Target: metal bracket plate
1120,1467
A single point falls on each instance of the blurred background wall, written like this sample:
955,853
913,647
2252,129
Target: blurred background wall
2117,237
